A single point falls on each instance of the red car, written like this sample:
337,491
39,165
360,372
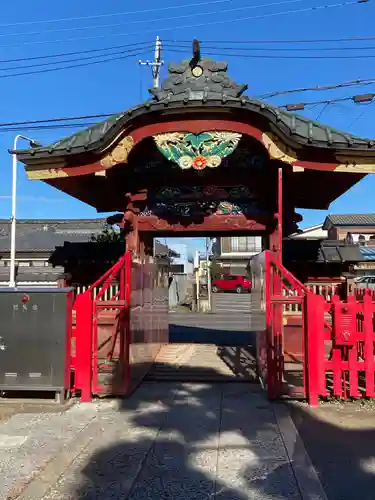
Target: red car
231,283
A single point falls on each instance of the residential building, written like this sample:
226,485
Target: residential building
311,233
233,253
182,262
359,228
36,241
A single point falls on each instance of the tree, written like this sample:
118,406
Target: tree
109,234
216,269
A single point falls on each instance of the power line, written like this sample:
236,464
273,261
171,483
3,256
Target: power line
366,81
280,49
361,114
115,14
172,48
357,99
198,25
78,52
60,119
290,41
142,21
72,66
53,63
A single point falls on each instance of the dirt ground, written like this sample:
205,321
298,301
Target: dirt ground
12,407
340,440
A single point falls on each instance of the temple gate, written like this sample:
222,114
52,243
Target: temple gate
199,157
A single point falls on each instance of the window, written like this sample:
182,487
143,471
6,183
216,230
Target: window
23,263
244,244
40,263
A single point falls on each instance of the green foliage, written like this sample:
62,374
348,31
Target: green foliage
216,269
109,234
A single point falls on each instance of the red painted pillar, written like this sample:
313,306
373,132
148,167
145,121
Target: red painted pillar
280,214
314,368
83,375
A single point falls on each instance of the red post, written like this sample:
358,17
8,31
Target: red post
83,375
314,346
127,332
280,215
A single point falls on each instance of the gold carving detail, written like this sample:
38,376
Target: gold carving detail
354,165
119,153
277,149
51,173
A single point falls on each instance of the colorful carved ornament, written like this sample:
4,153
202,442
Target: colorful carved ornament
355,165
277,149
197,151
119,154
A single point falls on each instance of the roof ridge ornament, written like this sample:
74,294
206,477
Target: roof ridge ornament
198,79
196,54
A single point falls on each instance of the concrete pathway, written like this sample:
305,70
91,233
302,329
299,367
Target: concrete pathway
169,441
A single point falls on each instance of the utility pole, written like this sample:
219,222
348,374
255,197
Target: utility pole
156,64
208,275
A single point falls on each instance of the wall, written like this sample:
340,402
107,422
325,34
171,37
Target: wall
339,233
180,290
182,250
240,246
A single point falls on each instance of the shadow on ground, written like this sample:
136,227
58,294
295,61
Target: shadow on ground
202,335
179,427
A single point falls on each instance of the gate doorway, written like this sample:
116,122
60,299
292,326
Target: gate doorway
210,336
199,157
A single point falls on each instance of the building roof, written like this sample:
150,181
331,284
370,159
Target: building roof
33,275
212,88
45,235
349,220
314,232
320,251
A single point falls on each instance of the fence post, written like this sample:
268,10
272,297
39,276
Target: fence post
83,375
314,341
127,332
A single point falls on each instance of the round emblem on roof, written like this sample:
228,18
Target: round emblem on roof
197,71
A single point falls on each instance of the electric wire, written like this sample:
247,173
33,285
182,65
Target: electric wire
142,21
114,14
77,59
350,83
189,26
276,56
72,66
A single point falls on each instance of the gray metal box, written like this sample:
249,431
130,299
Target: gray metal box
35,339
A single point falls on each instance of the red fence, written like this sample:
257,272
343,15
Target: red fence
328,350
340,360
116,338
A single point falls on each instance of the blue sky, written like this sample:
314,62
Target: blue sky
119,84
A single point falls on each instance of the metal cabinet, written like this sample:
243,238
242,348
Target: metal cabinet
35,339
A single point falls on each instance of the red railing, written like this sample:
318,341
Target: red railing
284,345
340,361
101,335
116,338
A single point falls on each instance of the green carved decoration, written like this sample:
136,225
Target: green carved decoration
197,151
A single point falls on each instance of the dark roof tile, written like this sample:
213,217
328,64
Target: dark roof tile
349,220
213,87
46,235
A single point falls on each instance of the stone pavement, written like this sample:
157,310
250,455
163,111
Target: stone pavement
168,441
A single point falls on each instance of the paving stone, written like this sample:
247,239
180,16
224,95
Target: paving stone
168,441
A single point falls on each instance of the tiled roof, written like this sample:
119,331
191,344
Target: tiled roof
320,251
29,274
350,220
213,88
46,235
